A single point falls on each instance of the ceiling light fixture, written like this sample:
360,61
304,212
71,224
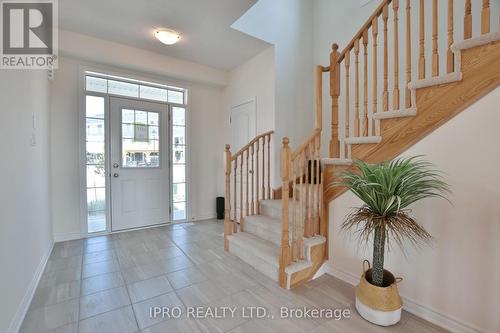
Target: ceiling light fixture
167,36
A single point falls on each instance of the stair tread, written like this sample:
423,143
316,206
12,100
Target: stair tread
264,221
264,249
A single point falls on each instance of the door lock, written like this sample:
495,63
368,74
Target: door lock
116,165
116,175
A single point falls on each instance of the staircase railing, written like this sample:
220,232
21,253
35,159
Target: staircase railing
248,180
358,121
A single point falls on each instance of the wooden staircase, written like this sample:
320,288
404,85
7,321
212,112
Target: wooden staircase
287,238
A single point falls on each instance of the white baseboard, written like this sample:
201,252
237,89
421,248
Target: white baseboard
448,322
17,321
203,218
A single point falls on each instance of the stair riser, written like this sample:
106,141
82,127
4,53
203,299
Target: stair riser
273,236
259,264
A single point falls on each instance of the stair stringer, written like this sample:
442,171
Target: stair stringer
436,105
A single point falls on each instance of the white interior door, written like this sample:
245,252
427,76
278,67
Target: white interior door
243,129
140,185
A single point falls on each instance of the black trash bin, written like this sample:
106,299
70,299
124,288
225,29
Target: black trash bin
219,203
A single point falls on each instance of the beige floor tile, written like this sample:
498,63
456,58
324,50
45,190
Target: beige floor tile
177,325
103,301
101,282
55,294
186,277
50,317
142,290
117,321
143,310
100,268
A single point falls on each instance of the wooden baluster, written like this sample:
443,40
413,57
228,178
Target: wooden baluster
421,59
294,215
247,212
364,120
252,203
263,168
227,216
356,88
408,54
375,74
334,93
285,236
269,167
312,170
257,196
318,175
347,63
485,17
319,96
385,94
435,53
235,222
241,193
450,60
468,20
306,195
395,7
301,229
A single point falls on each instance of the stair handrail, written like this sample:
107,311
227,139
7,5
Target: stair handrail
365,127
253,189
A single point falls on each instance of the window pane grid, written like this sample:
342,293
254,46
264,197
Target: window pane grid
95,160
138,90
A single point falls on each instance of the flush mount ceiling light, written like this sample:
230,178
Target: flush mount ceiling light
167,36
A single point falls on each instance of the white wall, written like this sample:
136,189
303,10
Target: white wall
25,229
205,139
288,25
457,277
253,79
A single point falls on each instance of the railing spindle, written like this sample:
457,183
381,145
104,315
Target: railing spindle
312,157
235,224
301,160
375,74
285,236
468,20
335,92
435,53
269,167
421,59
318,175
485,17
252,203
294,215
385,94
306,194
395,7
450,60
347,63
365,84
257,196
247,212
263,168
241,194
356,88
227,216
408,54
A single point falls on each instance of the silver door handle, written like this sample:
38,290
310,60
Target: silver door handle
116,175
116,165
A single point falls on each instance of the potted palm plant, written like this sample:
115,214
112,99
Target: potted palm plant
387,190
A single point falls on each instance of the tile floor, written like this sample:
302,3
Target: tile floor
109,284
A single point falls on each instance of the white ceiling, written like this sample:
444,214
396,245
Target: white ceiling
207,37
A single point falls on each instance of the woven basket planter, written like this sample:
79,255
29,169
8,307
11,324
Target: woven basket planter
379,305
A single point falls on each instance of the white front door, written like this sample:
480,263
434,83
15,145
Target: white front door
140,185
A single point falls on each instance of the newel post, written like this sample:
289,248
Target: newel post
285,237
334,93
227,214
